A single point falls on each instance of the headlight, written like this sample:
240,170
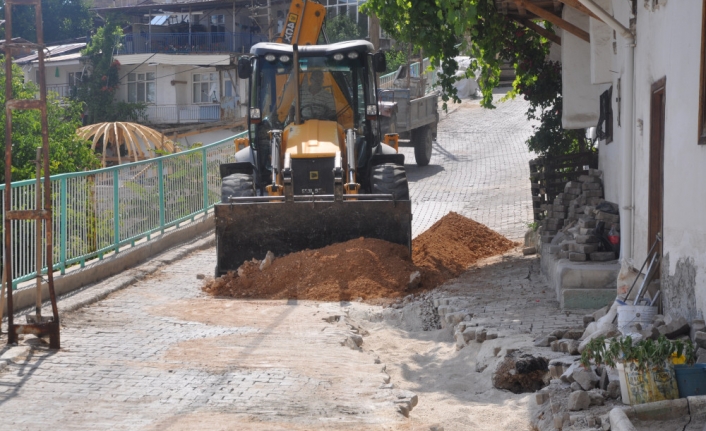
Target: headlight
255,113
371,110
338,57
353,55
284,58
270,57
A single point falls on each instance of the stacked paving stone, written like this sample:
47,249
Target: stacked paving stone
574,215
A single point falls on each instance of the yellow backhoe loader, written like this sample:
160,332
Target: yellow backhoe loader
316,170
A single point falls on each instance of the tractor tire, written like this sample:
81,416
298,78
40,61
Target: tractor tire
237,185
389,178
422,141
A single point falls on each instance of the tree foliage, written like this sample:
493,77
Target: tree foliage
102,80
63,19
341,28
445,29
67,152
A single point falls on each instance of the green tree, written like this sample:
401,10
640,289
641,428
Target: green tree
67,152
446,29
100,83
63,19
341,28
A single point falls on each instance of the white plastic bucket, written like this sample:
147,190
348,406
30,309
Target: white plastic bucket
629,314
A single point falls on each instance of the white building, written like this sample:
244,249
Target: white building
652,60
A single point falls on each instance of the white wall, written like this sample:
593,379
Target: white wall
580,96
668,45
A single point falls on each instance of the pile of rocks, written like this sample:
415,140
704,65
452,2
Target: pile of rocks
572,219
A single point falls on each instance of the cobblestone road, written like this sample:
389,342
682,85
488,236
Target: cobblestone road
159,355
479,169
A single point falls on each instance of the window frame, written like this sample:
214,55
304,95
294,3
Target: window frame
210,81
144,82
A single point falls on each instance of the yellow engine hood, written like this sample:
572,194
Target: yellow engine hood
314,138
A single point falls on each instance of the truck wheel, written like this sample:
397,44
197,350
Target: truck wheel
422,140
389,178
237,185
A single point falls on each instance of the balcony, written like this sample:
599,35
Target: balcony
185,43
63,90
181,114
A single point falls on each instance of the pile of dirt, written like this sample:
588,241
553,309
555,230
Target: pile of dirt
361,268
366,268
453,244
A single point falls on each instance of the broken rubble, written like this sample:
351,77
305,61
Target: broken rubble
587,378
579,400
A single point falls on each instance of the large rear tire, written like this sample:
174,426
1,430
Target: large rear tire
389,178
422,140
237,186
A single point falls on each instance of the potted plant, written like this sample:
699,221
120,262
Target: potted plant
647,365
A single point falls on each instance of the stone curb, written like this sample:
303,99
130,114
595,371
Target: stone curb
619,421
694,406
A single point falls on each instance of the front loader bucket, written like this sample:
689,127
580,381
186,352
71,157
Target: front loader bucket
249,230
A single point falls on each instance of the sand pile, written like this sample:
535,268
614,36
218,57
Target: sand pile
453,244
367,268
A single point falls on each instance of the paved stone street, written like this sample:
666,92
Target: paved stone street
161,355
479,169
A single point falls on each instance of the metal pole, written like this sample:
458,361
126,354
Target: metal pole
38,236
7,269
49,222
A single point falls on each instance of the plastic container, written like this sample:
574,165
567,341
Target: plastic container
656,384
628,314
691,380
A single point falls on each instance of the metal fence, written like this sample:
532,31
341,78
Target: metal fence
180,114
107,210
185,43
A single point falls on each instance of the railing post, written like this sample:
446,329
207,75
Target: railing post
64,228
116,210
160,182
204,169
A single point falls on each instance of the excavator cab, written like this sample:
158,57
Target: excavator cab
316,171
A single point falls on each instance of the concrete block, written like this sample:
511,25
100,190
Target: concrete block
587,222
618,421
697,325
577,257
700,339
587,276
697,408
587,239
593,193
553,249
660,410
607,217
588,179
586,248
595,172
586,298
529,251
579,400
541,397
602,256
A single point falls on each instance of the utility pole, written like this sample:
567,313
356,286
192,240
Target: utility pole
374,32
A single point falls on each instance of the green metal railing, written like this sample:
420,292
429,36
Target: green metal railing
106,210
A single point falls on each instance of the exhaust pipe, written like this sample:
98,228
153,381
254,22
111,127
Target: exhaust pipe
297,106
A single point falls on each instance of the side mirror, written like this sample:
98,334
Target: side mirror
244,68
379,62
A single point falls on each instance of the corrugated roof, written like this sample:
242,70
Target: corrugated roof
53,51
